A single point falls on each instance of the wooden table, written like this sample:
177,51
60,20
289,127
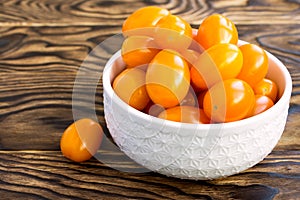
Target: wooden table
43,44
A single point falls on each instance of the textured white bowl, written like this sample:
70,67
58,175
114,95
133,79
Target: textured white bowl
195,151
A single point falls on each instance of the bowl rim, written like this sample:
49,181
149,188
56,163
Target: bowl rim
107,89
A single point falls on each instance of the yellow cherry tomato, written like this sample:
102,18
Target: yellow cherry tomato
228,100
139,22
201,98
81,140
216,29
268,88
138,50
185,114
194,44
191,56
255,64
167,78
190,99
153,109
173,32
129,85
220,62
262,103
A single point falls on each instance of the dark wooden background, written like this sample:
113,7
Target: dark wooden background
42,46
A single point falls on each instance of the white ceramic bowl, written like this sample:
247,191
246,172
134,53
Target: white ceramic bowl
195,151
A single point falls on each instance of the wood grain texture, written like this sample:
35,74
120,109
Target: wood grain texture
38,67
43,44
91,12
30,173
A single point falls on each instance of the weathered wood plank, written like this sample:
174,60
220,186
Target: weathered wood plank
94,13
38,67
43,44
47,174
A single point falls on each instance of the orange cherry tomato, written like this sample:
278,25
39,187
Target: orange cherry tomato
138,50
185,114
81,140
167,78
228,100
195,88
255,65
129,85
190,99
153,109
194,33
268,88
262,103
216,29
220,62
194,44
200,98
191,56
139,22
173,32
203,117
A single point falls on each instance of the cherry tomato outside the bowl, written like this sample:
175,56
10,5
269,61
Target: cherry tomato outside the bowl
255,64
220,62
167,78
262,103
268,88
81,140
216,29
228,100
143,19
185,114
138,50
173,32
129,85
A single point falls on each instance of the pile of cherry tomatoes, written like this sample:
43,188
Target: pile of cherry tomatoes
182,74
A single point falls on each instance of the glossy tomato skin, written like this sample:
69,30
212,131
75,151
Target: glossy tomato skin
185,114
144,18
268,88
228,100
130,86
173,32
262,103
255,64
195,46
216,29
220,62
81,140
200,98
191,56
203,117
153,109
190,99
138,50
167,78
